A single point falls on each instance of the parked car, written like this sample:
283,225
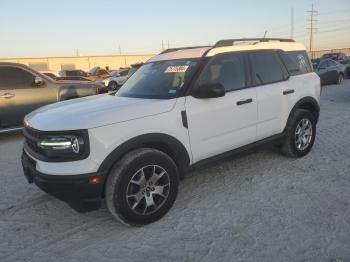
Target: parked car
50,74
330,71
98,73
116,80
73,73
23,90
78,78
99,84
134,68
338,57
181,109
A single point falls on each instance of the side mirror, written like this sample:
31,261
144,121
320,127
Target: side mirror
210,90
38,81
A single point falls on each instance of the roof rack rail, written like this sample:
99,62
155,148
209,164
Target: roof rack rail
231,42
180,48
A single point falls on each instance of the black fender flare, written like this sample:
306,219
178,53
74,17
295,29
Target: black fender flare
308,103
163,142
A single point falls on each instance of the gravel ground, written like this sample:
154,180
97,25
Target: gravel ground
257,207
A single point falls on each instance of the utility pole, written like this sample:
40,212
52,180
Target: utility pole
162,45
292,23
168,44
312,20
120,50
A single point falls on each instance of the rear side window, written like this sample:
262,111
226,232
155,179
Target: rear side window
297,62
15,78
332,63
227,69
267,67
324,64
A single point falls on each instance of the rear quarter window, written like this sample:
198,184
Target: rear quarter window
296,62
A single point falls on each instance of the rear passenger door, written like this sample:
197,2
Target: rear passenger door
269,76
217,125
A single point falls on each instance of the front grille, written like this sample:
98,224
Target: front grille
32,137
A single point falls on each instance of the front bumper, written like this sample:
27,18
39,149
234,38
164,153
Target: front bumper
75,190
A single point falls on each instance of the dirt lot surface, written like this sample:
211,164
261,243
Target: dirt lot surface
257,207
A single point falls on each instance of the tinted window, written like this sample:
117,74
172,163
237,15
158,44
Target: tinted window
227,70
123,73
266,67
332,63
297,62
15,78
323,64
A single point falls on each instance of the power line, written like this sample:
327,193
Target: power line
312,20
292,23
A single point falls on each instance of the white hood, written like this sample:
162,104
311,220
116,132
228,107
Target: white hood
94,111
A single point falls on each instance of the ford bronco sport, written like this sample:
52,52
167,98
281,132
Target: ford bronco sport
182,108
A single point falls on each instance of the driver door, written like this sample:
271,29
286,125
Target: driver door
218,125
20,96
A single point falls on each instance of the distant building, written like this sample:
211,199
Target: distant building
79,62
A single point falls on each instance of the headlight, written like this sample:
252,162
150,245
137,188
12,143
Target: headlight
63,146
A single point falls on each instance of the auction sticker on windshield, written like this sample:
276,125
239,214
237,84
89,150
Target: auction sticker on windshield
177,69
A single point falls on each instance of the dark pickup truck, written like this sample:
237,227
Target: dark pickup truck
23,90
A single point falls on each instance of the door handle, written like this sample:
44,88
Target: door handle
7,95
244,101
288,91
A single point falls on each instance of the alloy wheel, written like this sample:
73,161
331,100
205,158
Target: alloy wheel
303,134
148,190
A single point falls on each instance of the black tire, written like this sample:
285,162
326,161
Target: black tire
340,79
119,180
113,86
289,147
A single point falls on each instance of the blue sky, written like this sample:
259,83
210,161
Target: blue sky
30,28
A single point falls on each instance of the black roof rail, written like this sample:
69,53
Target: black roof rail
180,48
231,42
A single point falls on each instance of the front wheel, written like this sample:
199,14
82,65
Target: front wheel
301,133
142,187
113,86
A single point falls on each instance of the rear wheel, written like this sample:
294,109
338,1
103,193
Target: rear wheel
301,133
142,187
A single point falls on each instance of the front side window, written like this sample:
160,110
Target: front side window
228,70
297,62
266,67
159,80
323,65
15,78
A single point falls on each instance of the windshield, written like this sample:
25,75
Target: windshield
159,80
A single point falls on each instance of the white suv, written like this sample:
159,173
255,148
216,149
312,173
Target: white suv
182,108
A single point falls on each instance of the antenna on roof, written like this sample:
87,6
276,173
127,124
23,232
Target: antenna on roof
265,33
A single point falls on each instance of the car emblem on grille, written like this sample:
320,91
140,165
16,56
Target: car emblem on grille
75,146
